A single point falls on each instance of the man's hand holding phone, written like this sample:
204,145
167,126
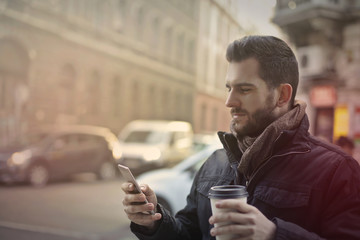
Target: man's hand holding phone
139,206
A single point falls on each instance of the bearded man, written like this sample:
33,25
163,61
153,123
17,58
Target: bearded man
299,187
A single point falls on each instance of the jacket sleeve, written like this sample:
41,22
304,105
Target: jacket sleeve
341,208
184,226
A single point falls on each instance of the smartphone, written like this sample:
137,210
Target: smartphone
129,177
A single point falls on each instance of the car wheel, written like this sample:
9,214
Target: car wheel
107,171
38,175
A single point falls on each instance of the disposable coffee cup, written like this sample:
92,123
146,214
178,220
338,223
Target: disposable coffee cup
218,193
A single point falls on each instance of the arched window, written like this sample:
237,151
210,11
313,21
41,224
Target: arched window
14,64
14,91
66,88
93,102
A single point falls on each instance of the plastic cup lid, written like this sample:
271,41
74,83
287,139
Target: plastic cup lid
228,191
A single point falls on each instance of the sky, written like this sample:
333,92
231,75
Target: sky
257,14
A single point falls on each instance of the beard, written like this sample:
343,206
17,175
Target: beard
256,123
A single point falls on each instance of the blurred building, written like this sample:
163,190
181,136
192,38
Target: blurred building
326,34
219,24
107,62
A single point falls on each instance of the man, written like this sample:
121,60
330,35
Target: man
299,187
346,144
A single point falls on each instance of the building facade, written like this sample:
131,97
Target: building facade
95,62
107,62
219,24
326,34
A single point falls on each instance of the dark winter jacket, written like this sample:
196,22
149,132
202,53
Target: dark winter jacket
308,188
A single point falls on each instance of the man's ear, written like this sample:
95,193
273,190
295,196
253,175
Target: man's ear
285,92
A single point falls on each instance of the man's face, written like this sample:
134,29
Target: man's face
250,100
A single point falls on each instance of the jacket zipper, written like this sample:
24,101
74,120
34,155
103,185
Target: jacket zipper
253,175
233,165
267,162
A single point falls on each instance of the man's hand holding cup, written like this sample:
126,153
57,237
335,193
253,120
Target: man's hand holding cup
234,218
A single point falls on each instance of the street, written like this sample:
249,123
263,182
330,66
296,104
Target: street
81,209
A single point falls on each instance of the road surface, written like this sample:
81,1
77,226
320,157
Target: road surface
81,209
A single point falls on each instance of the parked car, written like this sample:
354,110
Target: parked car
57,152
202,140
147,144
173,185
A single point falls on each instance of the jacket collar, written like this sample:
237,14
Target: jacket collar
288,141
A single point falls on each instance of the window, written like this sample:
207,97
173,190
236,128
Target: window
66,86
179,106
140,23
2,92
65,142
155,33
180,49
93,99
191,54
203,117
165,104
215,119
135,100
168,41
150,137
151,102
119,19
91,141
116,96
219,28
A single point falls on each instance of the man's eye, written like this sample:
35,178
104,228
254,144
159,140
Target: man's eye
245,90
228,89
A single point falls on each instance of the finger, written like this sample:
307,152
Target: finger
238,230
146,189
132,209
234,217
237,204
144,219
134,198
127,187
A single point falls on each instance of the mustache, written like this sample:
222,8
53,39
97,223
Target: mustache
238,110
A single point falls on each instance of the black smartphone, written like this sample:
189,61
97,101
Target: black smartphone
129,177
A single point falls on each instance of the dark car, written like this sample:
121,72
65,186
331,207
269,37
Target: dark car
58,152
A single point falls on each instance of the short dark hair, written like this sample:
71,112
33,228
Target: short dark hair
277,61
344,141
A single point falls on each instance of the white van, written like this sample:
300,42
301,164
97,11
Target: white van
147,144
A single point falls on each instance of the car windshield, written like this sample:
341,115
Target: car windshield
149,137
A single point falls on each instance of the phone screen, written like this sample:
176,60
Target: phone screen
129,177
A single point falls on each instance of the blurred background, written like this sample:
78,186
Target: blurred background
106,63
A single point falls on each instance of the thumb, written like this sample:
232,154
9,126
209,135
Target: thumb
146,189
149,194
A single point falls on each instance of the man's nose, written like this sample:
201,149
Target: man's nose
232,101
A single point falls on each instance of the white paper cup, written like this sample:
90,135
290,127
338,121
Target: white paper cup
218,193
